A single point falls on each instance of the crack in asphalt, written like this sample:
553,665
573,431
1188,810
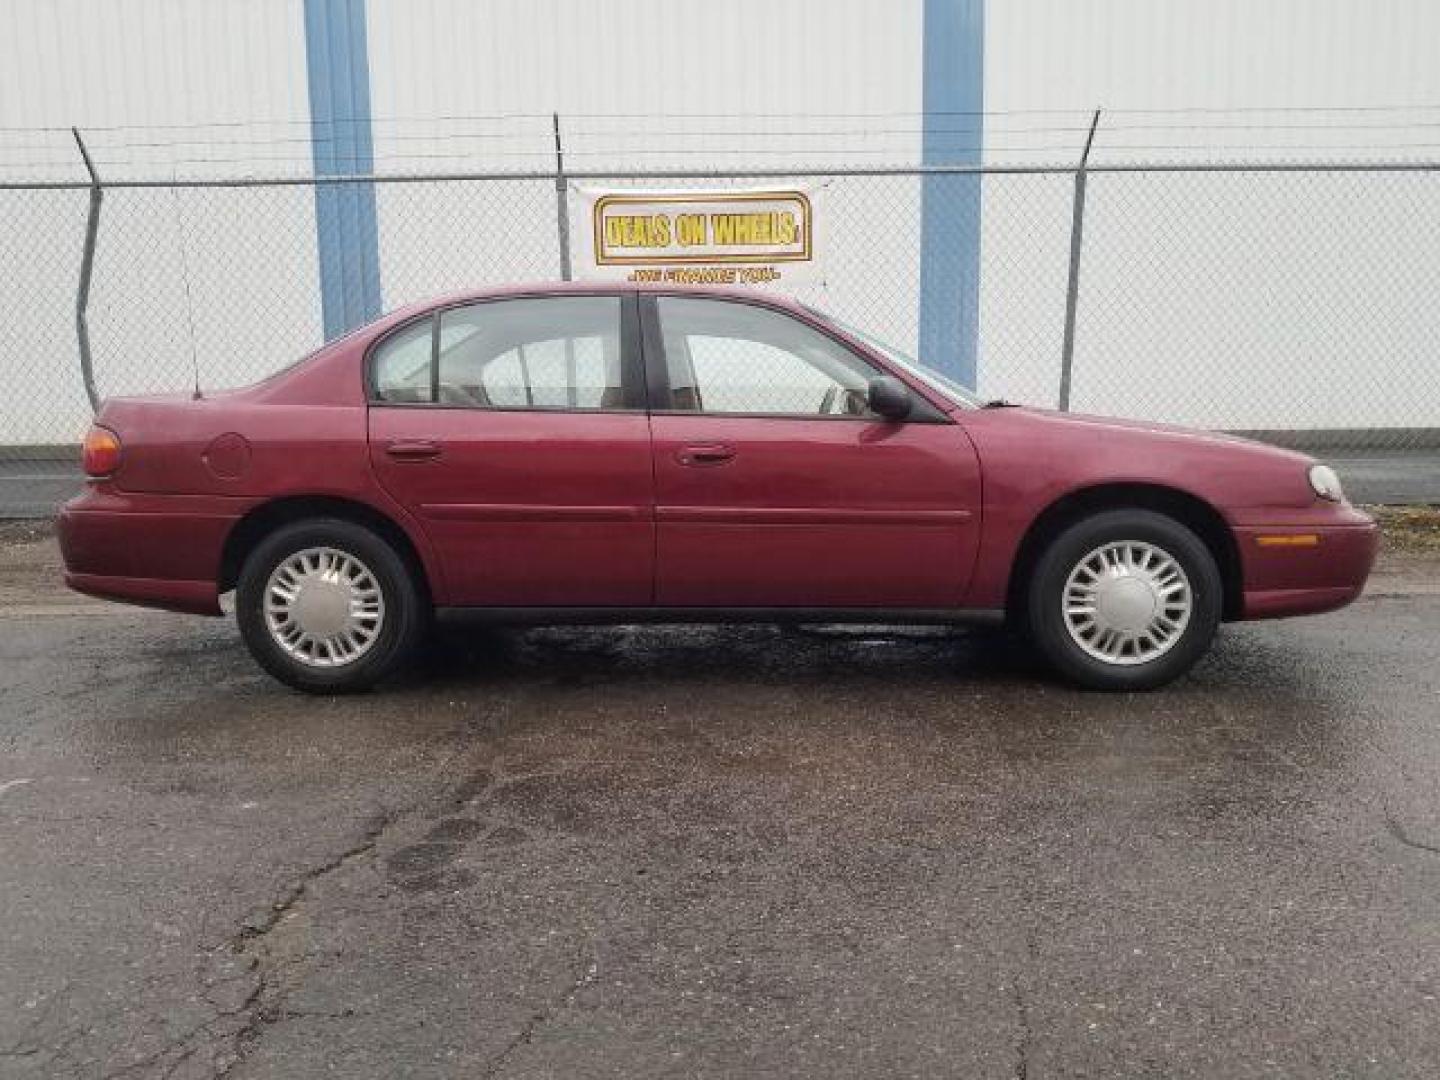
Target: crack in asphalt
261,1007
280,1016
261,1004
1026,1034
23,1048
540,1019
1392,823
282,907
1022,1045
182,1042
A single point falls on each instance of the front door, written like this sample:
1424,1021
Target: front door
514,430
776,486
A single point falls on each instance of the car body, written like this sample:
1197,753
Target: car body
612,453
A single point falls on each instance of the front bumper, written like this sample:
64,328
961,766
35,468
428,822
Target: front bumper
1305,563
155,550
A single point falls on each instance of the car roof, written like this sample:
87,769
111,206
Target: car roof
561,288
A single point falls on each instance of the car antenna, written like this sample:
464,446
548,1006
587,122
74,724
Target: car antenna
189,302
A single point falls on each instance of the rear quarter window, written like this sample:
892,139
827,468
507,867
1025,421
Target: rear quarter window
402,365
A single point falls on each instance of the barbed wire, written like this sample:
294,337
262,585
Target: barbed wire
819,140
546,117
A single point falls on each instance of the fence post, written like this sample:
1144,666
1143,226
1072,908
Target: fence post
562,202
562,226
87,269
1072,284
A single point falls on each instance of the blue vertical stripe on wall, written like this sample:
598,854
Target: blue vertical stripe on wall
338,67
953,131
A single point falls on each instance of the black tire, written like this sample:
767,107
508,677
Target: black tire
402,624
1045,599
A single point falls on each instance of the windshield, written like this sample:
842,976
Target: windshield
928,375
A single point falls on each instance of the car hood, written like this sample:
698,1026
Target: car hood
1041,454
1136,430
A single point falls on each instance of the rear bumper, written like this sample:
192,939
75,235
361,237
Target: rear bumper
192,597
157,551
1298,575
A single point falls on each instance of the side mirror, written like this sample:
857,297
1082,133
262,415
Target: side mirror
889,397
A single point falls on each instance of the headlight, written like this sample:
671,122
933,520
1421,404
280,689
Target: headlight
1326,483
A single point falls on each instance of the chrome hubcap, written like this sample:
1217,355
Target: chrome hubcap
324,607
1127,602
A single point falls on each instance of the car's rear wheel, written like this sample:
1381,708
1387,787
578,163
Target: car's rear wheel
1124,600
327,606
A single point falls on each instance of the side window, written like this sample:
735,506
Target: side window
402,365
729,357
560,352
544,353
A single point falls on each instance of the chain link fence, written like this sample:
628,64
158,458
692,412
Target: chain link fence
1295,303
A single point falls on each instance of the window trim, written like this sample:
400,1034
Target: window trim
434,361
632,382
657,370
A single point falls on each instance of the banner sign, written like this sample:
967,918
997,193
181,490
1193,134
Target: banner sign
749,237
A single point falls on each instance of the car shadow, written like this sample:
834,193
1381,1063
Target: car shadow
796,655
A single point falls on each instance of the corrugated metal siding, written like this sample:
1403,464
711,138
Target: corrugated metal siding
622,76
136,73
645,56
1215,54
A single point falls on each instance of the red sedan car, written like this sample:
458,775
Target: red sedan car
568,454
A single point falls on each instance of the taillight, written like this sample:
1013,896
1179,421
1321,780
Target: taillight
102,452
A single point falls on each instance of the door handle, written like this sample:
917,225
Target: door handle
707,454
413,450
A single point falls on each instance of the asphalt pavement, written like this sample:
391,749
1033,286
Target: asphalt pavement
728,853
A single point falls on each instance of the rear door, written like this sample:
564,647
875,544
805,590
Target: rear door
775,485
514,430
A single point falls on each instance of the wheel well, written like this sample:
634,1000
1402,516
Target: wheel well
1195,513
266,518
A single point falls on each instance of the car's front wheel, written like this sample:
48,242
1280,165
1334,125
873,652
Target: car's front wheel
1124,600
327,606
